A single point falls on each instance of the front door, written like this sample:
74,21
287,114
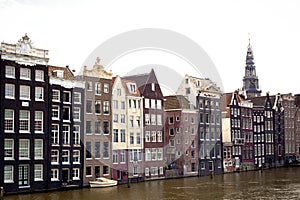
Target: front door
65,175
211,166
23,175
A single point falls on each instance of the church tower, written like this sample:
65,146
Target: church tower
250,80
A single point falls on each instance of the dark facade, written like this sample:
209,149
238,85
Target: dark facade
24,122
66,122
209,134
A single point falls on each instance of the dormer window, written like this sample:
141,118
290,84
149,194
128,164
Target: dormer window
58,73
131,87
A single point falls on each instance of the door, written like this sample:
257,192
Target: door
24,175
97,171
211,166
65,175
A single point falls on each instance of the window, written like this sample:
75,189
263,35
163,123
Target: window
38,121
153,86
158,104
132,87
76,156
10,72
153,106
55,112
88,150
97,127
38,149
38,172
148,154
154,171
39,93
147,103
24,121
9,91
97,88
159,136
131,138
66,134
106,128
131,121
138,123
138,138
123,119
55,134
54,174
106,88
54,157
172,143
115,156
77,97
147,119
115,118
65,157
67,97
153,136
76,114
24,92
119,92
76,135
8,149
24,149
159,153
153,154
135,171
122,156
147,172
147,136
88,127
24,73
75,174
105,170
9,120
171,120
115,104
88,106
97,107
116,135
123,105
171,131
159,120
23,175
39,75
105,149
88,171
66,113
106,107
55,95
153,119
122,135
89,86
8,174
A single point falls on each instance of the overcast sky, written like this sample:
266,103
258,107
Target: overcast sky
72,29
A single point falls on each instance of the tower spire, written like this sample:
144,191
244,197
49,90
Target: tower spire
250,80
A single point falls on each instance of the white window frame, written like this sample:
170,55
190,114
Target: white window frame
56,95
97,88
77,98
66,134
76,156
54,157
65,157
76,114
9,91
24,92
147,103
106,88
38,172
38,121
76,135
24,123
153,104
8,146
25,73
38,149
10,71
24,148
39,75
39,94
56,110
9,121
54,175
76,174
8,174
55,134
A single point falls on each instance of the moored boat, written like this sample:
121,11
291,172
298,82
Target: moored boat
103,182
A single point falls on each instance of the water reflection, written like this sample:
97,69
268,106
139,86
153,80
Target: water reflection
281,183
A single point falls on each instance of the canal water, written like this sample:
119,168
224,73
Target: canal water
280,183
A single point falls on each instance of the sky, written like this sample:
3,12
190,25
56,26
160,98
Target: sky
72,29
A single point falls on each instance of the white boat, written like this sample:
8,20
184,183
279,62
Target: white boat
103,182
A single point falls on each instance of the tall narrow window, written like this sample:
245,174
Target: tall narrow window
39,75
39,93
106,88
106,128
116,135
76,156
76,114
55,112
24,149
65,157
10,72
88,150
55,95
38,121
38,149
24,92
66,113
97,127
66,134
97,88
55,134
106,107
24,121
88,106
77,97
67,97
8,174
122,135
97,150
9,91
105,149
76,135
9,120
98,107
54,157
8,149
